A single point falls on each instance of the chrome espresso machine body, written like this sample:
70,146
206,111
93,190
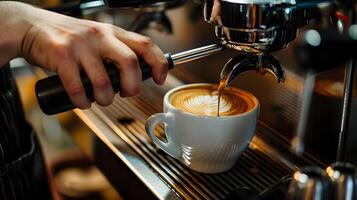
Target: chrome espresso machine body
309,119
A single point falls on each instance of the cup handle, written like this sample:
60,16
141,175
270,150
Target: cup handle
170,146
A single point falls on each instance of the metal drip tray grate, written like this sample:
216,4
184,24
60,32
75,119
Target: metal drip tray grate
127,118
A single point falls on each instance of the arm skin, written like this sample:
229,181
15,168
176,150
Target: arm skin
65,45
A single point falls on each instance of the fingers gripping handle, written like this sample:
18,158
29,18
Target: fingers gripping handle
54,99
170,146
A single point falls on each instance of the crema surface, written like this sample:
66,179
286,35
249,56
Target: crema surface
203,100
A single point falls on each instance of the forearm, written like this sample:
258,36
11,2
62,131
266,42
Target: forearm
14,24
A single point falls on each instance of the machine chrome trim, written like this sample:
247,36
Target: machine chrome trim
135,163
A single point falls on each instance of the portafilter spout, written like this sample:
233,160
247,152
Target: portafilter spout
245,62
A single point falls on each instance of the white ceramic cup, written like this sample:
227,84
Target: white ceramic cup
207,144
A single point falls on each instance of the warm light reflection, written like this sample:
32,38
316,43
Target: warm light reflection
300,177
332,173
253,146
329,171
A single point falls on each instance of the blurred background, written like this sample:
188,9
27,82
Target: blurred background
68,142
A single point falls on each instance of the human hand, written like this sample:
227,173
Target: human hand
66,45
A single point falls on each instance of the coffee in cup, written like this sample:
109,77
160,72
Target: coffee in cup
195,134
203,101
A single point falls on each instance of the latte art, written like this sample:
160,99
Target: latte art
204,101
205,104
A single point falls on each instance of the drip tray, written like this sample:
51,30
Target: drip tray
125,120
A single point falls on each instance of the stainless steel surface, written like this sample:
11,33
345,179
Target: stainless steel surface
154,16
346,108
255,26
197,53
91,4
310,183
298,141
124,153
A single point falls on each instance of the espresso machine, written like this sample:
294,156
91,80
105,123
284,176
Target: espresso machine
318,36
